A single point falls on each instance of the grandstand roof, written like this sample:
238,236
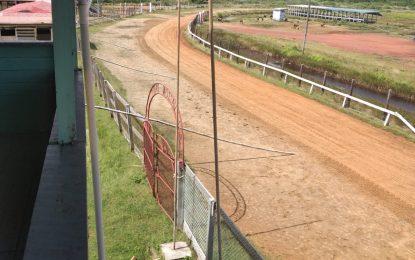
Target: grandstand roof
339,9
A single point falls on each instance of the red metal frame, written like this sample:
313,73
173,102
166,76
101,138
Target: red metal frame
157,151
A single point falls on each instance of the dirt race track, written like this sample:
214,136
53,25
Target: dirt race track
371,43
347,193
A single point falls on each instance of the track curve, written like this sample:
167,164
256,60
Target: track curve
374,158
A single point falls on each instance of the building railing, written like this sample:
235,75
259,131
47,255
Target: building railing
200,17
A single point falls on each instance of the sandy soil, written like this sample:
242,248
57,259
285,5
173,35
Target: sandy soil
334,198
371,43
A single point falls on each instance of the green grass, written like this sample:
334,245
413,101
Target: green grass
394,22
356,110
397,21
134,223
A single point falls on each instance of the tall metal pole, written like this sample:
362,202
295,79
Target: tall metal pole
93,137
215,128
306,26
176,156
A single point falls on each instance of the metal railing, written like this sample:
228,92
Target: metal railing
200,18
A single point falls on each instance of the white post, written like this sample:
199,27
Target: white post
311,89
386,122
344,102
141,7
150,8
93,137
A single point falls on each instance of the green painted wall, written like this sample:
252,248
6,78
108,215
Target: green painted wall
27,92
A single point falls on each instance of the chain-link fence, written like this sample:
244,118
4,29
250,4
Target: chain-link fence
234,244
198,207
200,224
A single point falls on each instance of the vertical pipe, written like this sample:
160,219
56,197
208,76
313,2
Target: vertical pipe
215,129
306,26
93,137
176,155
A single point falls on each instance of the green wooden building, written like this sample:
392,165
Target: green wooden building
42,145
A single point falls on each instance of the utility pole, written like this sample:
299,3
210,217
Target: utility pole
306,26
215,129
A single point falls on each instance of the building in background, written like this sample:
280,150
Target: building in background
30,21
278,14
335,13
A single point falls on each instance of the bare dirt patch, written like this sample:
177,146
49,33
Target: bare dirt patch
304,206
372,43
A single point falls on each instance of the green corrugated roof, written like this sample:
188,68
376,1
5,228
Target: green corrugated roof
337,9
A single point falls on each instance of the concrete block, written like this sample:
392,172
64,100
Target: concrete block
182,251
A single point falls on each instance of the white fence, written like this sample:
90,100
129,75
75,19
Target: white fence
201,17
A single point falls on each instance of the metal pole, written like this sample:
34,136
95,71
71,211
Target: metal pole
93,137
306,26
215,128
176,168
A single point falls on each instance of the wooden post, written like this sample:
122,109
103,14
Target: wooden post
324,80
346,101
264,71
114,97
385,115
301,74
106,96
282,66
130,128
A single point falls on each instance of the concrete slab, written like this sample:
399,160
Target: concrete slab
182,251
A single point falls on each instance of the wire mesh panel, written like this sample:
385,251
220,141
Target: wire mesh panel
234,243
198,206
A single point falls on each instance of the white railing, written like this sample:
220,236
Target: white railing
287,74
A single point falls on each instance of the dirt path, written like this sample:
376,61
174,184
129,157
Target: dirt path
303,206
371,43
